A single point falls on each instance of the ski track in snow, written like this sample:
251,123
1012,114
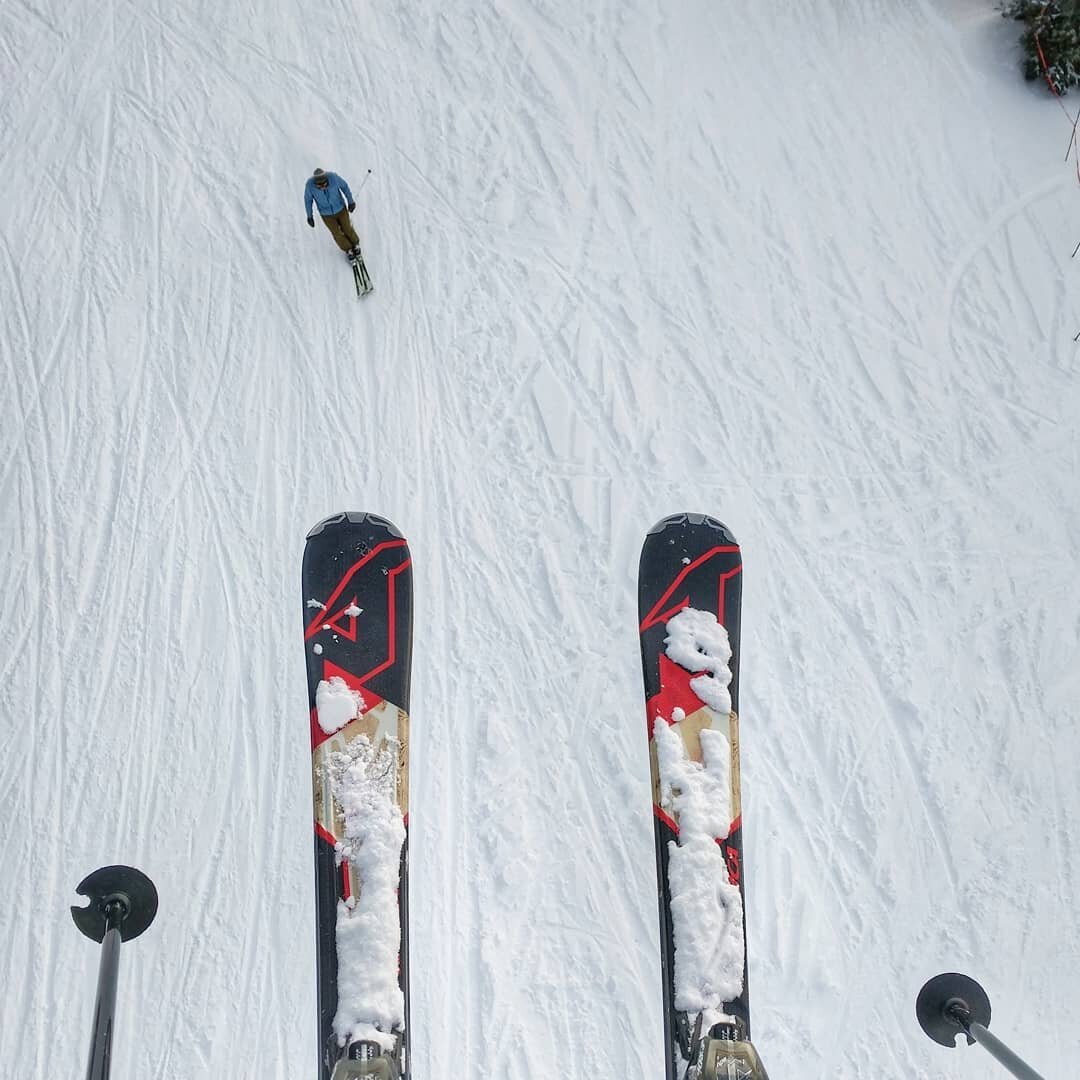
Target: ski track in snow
804,267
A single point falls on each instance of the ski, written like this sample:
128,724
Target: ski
360,274
357,587
689,602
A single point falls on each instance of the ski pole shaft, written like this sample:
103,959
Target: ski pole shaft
997,1049
105,1006
367,177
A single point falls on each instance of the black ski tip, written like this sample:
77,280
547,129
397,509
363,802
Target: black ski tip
947,1003
354,517
124,884
677,520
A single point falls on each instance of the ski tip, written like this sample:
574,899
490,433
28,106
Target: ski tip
694,520
354,517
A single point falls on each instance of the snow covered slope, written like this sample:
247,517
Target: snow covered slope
803,266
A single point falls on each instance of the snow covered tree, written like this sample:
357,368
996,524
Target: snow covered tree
1051,37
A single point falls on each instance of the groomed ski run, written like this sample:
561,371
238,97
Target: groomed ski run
805,267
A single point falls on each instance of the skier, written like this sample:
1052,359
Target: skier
332,196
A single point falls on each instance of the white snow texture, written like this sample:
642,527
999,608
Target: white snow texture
801,266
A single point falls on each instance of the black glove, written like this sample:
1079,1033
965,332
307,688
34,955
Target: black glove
311,222
352,207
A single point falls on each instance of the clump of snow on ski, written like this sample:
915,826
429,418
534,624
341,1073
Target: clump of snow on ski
336,704
698,642
706,908
362,779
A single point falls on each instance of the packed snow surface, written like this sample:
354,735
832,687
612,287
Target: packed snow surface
801,266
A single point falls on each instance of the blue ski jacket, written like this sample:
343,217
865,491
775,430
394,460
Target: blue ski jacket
330,200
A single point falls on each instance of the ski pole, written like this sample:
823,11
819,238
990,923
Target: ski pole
951,1003
123,903
367,177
